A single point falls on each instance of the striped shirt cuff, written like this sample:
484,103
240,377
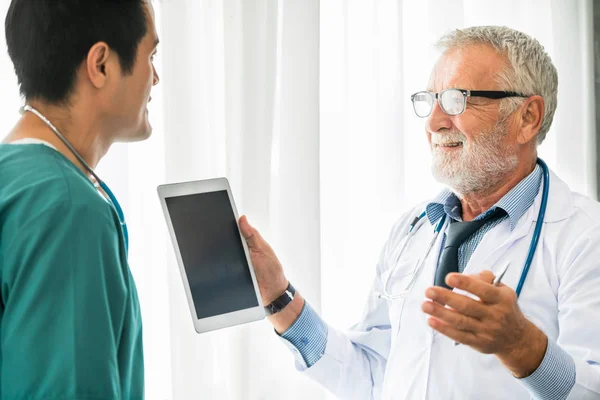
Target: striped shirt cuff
554,378
308,335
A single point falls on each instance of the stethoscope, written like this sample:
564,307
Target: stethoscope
418,221
112,199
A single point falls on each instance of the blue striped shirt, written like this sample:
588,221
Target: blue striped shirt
554,378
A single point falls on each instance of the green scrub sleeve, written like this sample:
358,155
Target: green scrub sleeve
65,295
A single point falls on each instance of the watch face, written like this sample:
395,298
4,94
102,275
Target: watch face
271,309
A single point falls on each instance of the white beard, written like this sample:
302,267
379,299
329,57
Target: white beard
477,166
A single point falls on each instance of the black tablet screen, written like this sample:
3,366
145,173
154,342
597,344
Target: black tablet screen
212,253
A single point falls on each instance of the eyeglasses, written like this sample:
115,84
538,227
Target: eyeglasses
453,101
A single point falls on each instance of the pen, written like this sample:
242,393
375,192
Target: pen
496,282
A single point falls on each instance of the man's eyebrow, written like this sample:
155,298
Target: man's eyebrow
156,42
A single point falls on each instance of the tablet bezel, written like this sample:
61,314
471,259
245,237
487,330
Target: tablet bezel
222,320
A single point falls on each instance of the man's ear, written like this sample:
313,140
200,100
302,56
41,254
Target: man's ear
96,64
532,115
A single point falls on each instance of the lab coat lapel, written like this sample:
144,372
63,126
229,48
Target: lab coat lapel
488,254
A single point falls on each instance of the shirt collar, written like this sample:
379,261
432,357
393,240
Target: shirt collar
515,202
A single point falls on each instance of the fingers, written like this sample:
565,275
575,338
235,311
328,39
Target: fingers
459,302
460,336
250,234
245,227
488,323
451,317
475,285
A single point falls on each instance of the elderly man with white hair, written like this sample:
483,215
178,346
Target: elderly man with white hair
488,291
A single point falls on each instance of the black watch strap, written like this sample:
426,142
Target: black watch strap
282,301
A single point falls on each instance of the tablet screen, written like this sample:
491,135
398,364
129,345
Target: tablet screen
212,253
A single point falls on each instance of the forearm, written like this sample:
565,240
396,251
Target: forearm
526,357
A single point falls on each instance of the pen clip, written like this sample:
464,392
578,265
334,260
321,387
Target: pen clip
500,275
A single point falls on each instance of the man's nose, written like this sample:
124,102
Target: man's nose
438,119
156,78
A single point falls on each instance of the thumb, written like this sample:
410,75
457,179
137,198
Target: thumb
250,234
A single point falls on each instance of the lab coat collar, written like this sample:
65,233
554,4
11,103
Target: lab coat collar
560,201
560,207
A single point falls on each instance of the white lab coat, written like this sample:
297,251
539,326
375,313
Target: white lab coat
393,354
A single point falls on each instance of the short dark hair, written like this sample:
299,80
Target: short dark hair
48,40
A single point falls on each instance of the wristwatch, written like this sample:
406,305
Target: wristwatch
282,301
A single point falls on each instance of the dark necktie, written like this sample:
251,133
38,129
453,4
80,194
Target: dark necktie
456,234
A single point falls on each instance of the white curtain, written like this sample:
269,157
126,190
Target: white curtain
304,106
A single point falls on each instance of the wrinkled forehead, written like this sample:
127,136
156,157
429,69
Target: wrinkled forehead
475,67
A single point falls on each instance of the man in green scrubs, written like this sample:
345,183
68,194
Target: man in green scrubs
70,322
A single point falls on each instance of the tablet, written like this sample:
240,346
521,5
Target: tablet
213,258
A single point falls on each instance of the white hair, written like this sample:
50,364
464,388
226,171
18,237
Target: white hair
530,70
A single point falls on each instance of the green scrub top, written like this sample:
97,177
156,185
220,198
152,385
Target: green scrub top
70,322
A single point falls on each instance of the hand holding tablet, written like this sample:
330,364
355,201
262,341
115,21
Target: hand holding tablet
215,266
271,279
283,303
